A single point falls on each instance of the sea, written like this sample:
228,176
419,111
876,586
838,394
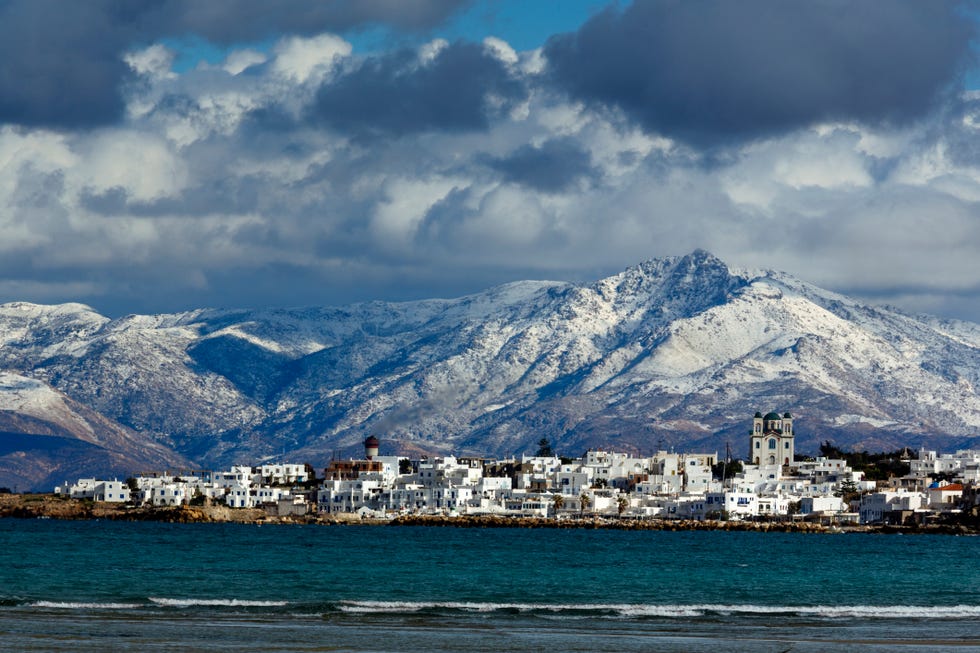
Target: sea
112,586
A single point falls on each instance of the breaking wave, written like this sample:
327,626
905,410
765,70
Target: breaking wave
75,605
671,611
232,603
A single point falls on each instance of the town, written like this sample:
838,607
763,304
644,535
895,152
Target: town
773,484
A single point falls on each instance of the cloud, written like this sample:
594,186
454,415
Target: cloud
300,58
62,64
551,167
309,173
713,72
233,21
452,87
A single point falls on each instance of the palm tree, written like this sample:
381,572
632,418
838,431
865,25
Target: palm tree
558,501
622,503
585,501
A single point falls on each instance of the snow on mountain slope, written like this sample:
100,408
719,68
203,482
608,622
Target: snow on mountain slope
36,399
679,351
46,438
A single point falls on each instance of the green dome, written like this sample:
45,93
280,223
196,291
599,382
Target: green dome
770,416
758,415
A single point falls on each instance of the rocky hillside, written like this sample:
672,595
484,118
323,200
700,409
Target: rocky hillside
47,438
675,352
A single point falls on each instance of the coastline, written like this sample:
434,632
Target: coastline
50,506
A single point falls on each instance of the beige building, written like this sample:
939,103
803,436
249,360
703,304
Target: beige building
771,440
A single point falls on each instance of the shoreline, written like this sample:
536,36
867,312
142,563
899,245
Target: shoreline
50,506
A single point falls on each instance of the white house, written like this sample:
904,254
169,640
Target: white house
284,474
875,506
89,488
824,505
943,495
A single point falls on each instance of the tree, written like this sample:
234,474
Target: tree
584,501
559,502
622,503
847,490
544,449
726,469
198,499
876,466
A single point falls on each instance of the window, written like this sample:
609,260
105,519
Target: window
786,446
757,444
772,443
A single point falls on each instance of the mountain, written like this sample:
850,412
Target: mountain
674,352
47,438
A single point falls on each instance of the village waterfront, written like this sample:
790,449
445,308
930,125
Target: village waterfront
151,586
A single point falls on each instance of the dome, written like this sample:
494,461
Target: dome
758,415
770,416
372,442
787,416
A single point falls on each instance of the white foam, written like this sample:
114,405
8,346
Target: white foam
678,610
626,609
237,603
72,605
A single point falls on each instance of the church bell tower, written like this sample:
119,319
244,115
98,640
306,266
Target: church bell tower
771,440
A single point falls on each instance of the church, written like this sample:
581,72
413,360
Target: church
771,439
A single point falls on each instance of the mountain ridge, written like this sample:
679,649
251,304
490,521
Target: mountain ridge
677,351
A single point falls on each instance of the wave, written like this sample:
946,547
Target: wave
549,610
233,603
79,605
669,611
150,602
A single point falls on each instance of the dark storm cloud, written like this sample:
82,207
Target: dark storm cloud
61,62
712,71
551,167
460,89
228,195
251,18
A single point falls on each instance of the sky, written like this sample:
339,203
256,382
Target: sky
165,155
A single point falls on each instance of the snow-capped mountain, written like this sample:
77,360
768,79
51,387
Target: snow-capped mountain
47,438
675,352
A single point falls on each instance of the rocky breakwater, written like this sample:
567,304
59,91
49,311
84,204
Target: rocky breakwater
497,521
52,506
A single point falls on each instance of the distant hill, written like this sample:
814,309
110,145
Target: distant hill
674,352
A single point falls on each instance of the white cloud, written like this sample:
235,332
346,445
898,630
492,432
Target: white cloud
42,151
303,60
155,61
240,60
820,159
405,203
141,164
501,49
429,51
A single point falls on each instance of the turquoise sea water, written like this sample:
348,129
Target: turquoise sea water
105,586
